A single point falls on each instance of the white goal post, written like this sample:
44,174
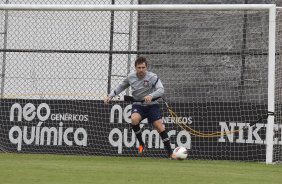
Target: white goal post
270,8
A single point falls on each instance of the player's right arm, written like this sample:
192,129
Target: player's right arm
122,86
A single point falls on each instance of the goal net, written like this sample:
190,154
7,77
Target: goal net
59,62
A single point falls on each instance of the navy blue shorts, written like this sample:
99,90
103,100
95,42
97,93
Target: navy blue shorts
152,112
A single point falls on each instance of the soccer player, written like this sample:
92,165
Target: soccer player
146,86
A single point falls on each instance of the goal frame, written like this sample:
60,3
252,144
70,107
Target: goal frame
271,8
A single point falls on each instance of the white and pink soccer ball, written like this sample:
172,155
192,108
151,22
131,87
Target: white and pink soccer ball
180,153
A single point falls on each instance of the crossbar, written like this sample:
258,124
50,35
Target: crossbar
68,7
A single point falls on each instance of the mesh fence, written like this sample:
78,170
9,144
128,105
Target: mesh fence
213,66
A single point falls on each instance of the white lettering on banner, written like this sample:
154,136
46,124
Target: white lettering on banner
185,120
121,114
124,116
249,135
278,134
69,117
118,138
28,112
43,135
246,134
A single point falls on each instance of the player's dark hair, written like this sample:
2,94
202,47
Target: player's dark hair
140,60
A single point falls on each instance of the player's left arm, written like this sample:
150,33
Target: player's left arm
159,88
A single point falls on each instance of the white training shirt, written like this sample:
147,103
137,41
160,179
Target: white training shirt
150,84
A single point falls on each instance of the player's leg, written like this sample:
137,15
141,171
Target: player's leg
158,125
155,117
136,118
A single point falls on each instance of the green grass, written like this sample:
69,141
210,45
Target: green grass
62,169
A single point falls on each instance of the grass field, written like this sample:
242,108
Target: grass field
53,169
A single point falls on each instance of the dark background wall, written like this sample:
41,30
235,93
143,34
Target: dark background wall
209,56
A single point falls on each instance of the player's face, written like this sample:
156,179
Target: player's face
141,69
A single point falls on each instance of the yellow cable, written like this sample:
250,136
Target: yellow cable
196,133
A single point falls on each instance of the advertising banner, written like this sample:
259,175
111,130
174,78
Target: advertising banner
92,128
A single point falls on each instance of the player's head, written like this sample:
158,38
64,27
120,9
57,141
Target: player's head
141,60
141,66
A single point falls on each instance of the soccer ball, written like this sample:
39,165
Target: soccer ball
180,153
